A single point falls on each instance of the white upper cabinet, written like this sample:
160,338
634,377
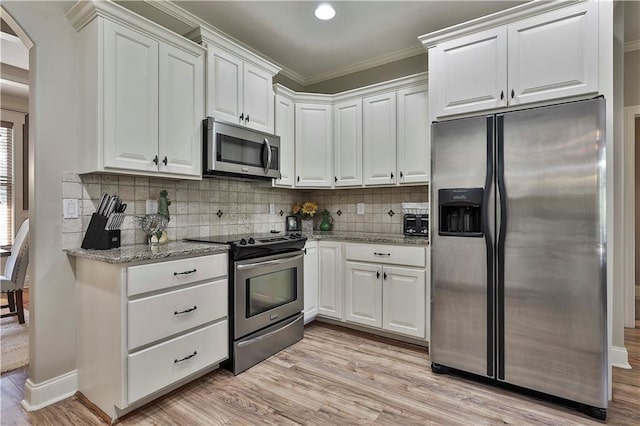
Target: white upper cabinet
314,154
470,73
224,86
554,55
181,111
142,96
130,99
284,127
347,143
379,139
413,135
533,53
239,83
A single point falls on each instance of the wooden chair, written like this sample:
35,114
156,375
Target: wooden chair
14,273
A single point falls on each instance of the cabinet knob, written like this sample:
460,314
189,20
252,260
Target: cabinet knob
513,94
401,174
377,274
384,276
391,175
501,94
246,118
335,178
165,161
298,179
155,160
305,251
242,117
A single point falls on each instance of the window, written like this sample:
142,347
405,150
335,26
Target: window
6,183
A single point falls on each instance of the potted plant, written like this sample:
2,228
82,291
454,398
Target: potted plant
306,211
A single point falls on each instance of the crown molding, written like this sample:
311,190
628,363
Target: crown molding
630,46
292,75
364,65
493,20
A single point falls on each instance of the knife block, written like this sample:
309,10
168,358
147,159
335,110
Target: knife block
99,238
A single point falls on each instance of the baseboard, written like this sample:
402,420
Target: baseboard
40,395
619,357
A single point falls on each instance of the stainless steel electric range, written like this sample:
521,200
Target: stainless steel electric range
265,295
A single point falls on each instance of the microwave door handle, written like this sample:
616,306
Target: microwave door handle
270,262
268,163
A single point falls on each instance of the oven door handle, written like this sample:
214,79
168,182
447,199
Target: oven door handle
269,334
269,262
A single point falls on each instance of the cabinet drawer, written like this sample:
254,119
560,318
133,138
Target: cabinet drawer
395,255
161,275
152,369
166,314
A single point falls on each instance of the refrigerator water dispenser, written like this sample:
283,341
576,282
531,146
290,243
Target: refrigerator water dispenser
460,212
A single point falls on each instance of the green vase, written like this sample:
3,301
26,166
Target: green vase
327,220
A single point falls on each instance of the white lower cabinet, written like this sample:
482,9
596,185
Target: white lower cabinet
310,281
363,293
330,279
386,294
145,329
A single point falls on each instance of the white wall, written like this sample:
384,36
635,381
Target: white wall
53,140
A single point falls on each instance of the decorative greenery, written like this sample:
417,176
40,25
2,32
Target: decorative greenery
306,210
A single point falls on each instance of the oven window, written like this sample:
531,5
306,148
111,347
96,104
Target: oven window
239,151
269,291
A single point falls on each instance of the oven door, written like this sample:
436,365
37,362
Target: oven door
267,290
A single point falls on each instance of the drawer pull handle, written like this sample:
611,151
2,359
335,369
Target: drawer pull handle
175,361
381,254
185,272
186,310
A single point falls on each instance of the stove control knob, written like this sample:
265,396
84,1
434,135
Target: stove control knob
243,242
251,241
298,235
292,236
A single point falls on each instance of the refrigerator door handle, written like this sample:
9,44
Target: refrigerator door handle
488,237
502,234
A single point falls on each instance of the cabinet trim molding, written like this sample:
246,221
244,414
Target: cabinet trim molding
502,17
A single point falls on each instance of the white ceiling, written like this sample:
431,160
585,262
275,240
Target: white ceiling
363,33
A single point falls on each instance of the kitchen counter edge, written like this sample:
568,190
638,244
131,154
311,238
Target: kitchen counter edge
367,237
141,252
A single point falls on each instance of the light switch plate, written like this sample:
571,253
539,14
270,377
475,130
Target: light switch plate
360,208
70,208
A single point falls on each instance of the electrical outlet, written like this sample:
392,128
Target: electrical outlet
70,208
151,207
360,208
272,208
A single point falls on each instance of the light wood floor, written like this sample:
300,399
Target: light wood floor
336,376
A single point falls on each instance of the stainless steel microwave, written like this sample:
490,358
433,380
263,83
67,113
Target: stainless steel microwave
234,150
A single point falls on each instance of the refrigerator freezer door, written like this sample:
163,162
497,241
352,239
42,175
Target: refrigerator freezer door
552,256
461,311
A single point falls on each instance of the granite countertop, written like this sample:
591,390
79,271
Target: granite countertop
140,252
367,237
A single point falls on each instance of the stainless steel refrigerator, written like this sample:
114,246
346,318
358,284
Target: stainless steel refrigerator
518,249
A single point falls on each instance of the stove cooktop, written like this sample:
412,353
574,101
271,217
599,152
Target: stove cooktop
250,239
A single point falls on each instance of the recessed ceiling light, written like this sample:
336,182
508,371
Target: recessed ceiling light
325,12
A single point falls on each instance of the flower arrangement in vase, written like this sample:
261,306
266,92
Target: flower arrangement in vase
306,211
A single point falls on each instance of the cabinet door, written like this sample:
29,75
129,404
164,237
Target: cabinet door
224,86
403,294
379,144
257,99
181,104
470,73
414,156
347,143
363,293
554,55
130,99
314,156
310,281
330,279
284,127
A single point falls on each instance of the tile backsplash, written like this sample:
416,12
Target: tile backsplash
244,205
